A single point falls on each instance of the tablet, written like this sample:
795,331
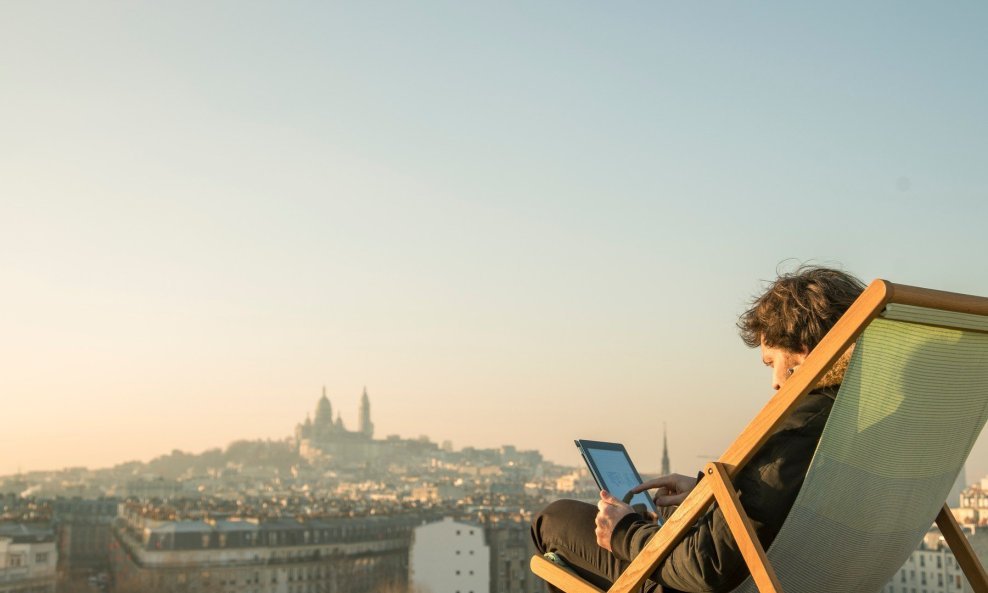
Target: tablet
613,471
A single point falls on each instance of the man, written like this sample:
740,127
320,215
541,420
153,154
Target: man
598,542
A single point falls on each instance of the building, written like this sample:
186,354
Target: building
83,527
450,556
932,568
28,558
326,438
337,555
973,509
437,493
152,487
511,551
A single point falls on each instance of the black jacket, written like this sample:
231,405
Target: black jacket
708,558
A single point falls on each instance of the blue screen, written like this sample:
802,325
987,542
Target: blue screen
617,474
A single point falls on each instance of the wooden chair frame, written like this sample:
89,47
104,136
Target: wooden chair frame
717,486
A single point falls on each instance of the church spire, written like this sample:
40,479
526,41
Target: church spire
366,427
665,452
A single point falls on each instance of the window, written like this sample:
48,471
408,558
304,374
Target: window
41,558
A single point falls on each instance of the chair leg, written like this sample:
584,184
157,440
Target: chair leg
751,549
962,550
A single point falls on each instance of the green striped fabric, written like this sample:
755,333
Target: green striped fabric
913,401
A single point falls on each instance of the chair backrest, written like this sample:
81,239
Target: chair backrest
913,401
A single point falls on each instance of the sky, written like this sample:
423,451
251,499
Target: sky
514,223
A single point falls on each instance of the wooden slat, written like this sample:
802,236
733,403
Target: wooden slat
938,299
740,526
560,577
962,550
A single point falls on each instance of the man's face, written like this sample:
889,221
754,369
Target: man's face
782,362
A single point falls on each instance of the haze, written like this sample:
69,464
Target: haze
513,223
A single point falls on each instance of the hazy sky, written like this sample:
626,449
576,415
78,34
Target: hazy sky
514,223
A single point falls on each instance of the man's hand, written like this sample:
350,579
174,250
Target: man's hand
672,489
609,511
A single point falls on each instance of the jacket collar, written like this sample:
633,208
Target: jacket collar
835,375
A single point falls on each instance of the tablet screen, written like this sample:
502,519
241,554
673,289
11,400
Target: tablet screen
613,470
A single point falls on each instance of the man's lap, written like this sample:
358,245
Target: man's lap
566,527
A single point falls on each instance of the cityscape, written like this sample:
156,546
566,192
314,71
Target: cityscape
327,510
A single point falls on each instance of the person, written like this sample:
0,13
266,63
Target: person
598,542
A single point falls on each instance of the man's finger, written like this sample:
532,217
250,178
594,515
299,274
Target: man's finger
660,482
659,493
608,499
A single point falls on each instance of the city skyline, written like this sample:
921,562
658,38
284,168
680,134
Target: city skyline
320,417
364,419
516,224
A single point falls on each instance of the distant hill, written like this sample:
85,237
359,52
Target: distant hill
280,455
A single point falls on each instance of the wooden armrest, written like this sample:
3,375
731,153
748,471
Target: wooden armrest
560,577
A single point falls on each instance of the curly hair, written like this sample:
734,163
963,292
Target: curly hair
799,308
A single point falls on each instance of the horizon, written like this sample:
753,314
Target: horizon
289,438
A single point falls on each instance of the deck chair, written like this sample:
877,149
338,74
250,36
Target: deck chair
913,401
